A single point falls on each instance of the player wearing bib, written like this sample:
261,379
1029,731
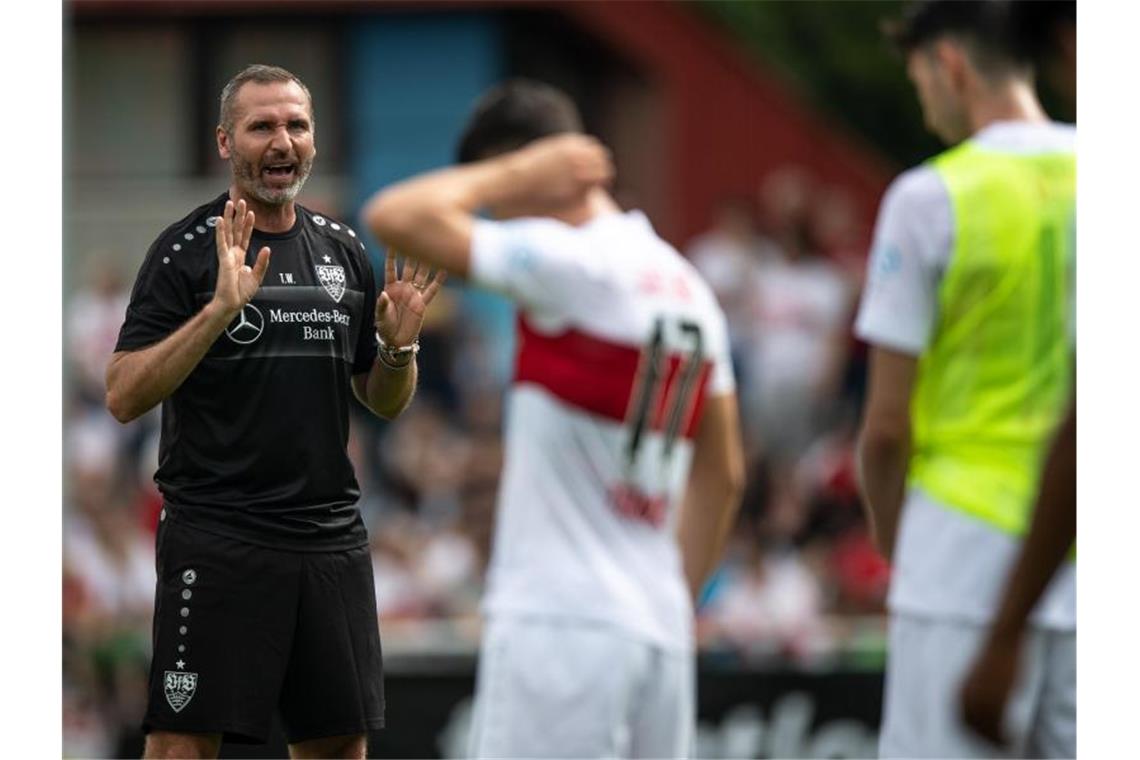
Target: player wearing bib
265,599
967,308
621,437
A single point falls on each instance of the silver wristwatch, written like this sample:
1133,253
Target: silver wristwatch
396,357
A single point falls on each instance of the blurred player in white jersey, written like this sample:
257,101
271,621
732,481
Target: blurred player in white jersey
623,465
967,309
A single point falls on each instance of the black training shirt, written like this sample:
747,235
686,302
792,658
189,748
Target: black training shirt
253,443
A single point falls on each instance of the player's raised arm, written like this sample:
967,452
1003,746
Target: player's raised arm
716,485
139,380
431,217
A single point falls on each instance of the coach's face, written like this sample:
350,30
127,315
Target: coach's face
271,146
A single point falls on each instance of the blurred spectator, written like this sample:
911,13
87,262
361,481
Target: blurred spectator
148,500
428,455
109,580
785,202
399,594
788,278
480,369
799,338
94,315
727,256
449,569
438,338
826,476
834,231
838,234
484,333
86,732
429,560
769,602
422,572
362,449
861,575
105,547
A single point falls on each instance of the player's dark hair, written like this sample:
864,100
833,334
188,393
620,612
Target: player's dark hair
258,73
512,114
987,28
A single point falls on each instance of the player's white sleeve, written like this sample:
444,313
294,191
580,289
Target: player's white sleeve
913,239
536,262
722,381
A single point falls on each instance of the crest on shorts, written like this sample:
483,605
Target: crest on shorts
332,277
179,688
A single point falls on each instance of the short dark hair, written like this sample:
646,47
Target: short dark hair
989,27
261,74
514,113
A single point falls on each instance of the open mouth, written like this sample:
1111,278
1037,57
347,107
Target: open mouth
279,174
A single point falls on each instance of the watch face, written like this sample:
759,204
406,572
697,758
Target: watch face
396,357
393,362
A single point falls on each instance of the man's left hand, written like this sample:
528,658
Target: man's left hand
401,305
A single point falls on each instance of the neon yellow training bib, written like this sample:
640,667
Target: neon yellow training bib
997,375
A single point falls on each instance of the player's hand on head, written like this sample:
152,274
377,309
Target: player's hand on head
562,168
237,281
402,303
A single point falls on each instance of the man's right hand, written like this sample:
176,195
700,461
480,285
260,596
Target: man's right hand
559,169
237,281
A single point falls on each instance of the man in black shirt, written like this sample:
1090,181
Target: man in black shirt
265,593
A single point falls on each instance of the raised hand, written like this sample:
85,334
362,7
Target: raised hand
401,305
237,281
561,168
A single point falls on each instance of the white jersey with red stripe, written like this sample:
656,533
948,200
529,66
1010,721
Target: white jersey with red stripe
620,342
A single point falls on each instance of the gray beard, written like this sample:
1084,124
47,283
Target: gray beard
249,179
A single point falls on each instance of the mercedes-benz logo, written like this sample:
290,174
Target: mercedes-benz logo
247,327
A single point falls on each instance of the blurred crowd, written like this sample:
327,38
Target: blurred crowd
786,264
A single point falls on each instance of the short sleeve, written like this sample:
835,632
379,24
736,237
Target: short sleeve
912,244
366,340
536,262
162,300
723,380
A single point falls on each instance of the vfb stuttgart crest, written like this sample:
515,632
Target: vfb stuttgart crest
179,688
332,277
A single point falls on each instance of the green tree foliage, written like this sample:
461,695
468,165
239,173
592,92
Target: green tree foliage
833,55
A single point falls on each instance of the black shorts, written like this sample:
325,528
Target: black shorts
242,630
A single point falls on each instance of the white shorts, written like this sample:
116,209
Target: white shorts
551,687
927,660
